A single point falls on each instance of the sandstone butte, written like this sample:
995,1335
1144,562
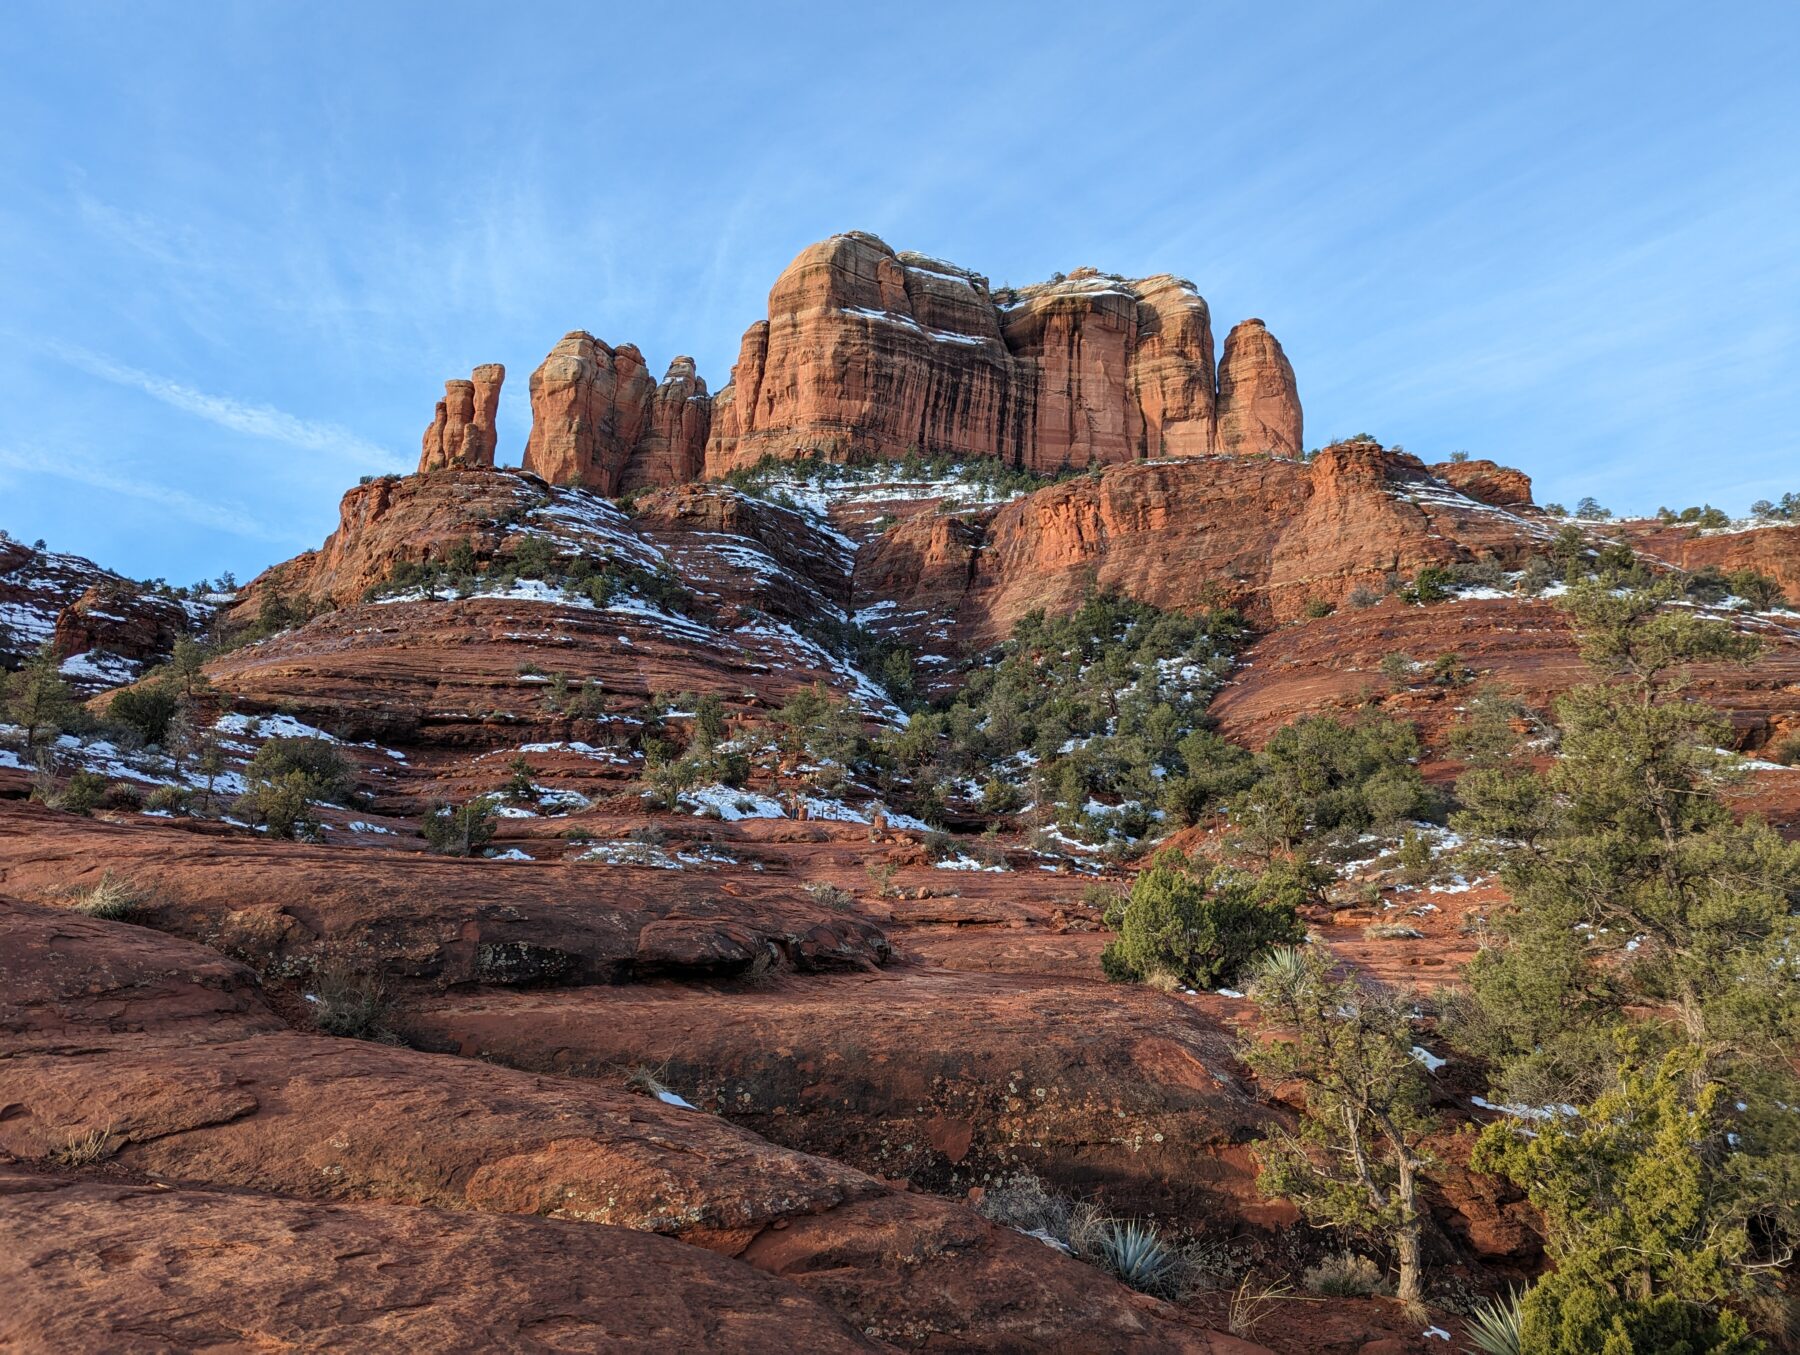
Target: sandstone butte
858,1045
871,352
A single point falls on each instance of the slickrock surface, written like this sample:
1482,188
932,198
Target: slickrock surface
92,1265
945,1079
1523,645
165,1051
870,350
284,906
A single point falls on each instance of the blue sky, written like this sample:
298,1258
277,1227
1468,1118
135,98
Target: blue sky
246,243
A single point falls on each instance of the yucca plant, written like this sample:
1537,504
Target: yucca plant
1283,968
1135,1252
1495,1327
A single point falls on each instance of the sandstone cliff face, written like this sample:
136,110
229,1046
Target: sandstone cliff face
1772,550
1266,534
462,431
673,446
599,421
875,351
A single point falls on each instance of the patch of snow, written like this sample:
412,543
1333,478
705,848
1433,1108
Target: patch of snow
99,666
1526,1112
1431,1061
270,727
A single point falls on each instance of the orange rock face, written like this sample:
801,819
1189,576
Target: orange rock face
1487,481
872,351
1774,551
462,430
599,421
1267,534
673,447
1259,405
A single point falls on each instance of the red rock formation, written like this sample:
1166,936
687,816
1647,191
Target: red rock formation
1173,384
1523,645
197,1269
462,430
1772,550
1487,482
589,406
78,608
1259,405
672,449
118,619
597,419
871,351
1269,535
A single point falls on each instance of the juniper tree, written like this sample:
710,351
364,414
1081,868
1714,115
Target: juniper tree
1356,1161
39,700
1642,904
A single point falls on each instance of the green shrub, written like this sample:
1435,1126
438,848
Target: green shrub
282,805
82,794
38,699
145,710
1198,922
1431,584
1346,776
460,831
318,762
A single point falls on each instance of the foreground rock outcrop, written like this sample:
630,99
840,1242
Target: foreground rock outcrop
93,1265
880,352
163,1056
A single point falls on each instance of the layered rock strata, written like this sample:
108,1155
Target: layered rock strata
876,352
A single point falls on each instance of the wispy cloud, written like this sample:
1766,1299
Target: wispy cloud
218,514
261,421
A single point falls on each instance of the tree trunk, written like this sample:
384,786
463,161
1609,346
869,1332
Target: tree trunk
1406,1239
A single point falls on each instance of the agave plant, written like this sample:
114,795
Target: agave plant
1495,1327
1135,1252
